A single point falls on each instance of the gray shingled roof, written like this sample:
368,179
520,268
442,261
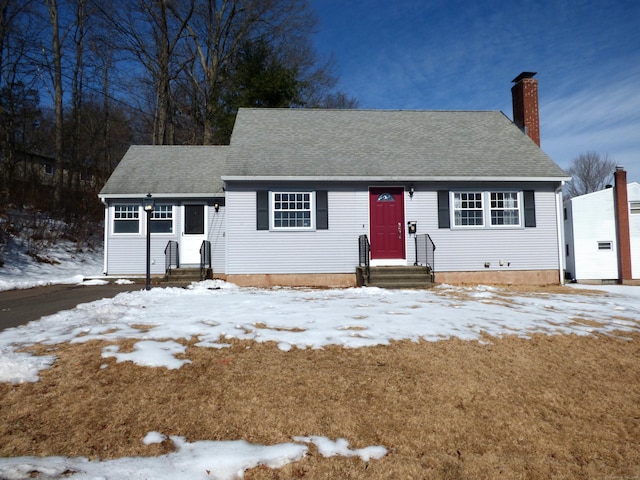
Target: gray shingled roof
383,144
181,170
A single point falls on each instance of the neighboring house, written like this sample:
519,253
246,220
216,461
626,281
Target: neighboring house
38,169
602,234
297,189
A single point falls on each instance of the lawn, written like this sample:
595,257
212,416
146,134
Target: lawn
546,406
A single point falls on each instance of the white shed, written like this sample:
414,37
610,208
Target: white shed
598,248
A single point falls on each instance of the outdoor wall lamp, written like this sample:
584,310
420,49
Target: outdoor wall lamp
147,205
411,191
216,206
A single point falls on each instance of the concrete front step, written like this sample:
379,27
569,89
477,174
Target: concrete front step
185,275
396,277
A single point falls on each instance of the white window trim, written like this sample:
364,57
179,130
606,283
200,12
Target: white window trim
520,209
173,220
483,201
634,208
486,210
114,220
312,211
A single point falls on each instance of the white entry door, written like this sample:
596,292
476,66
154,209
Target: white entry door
194,223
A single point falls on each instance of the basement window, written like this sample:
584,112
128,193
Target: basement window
605,245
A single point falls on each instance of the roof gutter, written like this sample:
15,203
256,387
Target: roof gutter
470,178
107,196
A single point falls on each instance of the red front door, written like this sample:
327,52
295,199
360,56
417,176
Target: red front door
386,211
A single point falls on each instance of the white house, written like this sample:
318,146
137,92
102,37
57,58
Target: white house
305,197
602,234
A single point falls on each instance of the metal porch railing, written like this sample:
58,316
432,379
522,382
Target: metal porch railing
425,251
205,259
364,248
171,256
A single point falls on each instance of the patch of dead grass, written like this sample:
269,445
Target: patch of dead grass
264,326
549,407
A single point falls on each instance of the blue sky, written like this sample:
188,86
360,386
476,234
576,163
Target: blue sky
463,54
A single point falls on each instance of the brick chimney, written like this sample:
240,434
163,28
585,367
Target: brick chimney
622,225
524,95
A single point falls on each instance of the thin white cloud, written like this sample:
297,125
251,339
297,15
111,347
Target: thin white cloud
603,116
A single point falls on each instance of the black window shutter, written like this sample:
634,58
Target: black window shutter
444,219
322,210
529,208
262,210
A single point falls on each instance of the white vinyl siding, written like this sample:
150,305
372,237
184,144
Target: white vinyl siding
468,249
126,254
332,250
336,250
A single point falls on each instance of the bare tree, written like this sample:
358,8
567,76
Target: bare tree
219,30
152,31
56,78
18,77
589,172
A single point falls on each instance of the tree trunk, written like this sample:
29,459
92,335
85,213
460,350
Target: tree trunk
56,50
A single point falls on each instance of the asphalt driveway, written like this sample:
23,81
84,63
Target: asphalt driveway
18,307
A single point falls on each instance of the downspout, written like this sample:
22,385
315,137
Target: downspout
559,226
106,236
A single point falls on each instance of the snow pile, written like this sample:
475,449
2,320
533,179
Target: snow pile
68,267
226,460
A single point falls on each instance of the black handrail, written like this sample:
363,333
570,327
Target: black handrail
425,251
364,248
205,259
171,256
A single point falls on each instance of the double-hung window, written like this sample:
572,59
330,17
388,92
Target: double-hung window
468,210
505,208
292,210
486,209
126,219
161,220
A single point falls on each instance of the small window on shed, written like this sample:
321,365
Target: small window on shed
634,208
605,246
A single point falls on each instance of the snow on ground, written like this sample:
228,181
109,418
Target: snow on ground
213,311
21,271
